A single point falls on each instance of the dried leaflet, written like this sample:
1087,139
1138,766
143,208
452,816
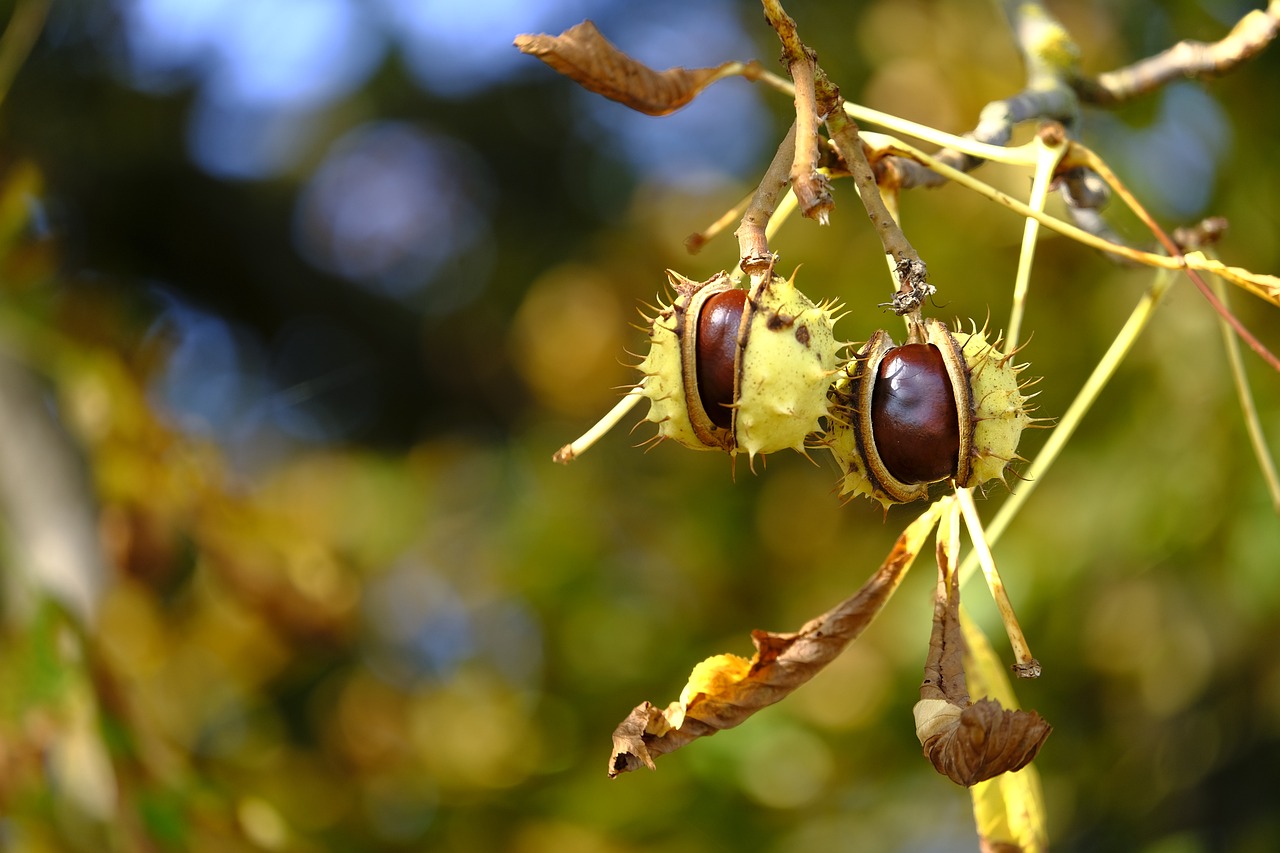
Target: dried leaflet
980,741
965,741
585,56
723,691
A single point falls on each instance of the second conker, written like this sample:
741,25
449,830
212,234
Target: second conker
913,413
942,407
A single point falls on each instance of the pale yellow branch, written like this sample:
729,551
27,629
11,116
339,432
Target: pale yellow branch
1266,464
1046,164
1027,666
574,449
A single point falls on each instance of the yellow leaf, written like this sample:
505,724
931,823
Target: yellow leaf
714,676
1008,810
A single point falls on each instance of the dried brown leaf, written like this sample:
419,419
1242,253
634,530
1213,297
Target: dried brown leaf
585,56
723,691
967,743
978,742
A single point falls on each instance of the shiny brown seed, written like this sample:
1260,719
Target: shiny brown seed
913,414
717,351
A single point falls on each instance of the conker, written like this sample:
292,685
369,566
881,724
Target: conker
717,353
944,407
913,413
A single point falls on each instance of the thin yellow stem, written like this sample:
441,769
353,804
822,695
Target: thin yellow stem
893,146
1096,163
694,242
1026,665
948,538
575,449
1045,167
787,205
1265,287
1251,421
1022,155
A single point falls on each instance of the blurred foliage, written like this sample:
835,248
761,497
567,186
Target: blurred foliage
412,631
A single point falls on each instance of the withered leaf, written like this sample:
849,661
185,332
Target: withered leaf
585,56
723,691
966,742
978,742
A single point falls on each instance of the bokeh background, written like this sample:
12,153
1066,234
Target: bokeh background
299,297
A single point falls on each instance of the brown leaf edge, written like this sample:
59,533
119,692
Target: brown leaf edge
725,690
585,56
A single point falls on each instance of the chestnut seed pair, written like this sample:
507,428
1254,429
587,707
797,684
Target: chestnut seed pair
758,369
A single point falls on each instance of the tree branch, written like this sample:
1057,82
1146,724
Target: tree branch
1249,37
753,245
909,271
812,189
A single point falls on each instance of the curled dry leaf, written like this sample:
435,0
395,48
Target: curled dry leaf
978,742
723,691
585,56
966,742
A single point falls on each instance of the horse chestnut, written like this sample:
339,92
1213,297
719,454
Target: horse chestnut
932,410
736,369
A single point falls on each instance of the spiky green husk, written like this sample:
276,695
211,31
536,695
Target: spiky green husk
788,367
788,362
999,409
663,381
